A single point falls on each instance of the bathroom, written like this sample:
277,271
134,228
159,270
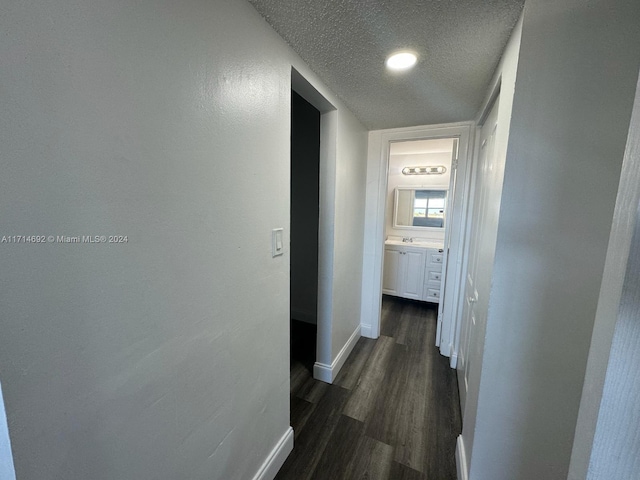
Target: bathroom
420,191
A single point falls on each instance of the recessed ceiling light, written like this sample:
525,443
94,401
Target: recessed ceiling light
401,61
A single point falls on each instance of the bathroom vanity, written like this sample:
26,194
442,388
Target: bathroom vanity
413,269
413,264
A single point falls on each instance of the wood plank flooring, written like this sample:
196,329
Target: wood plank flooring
393,413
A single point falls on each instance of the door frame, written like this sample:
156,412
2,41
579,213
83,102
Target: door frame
485,110
326,219
375,208
466,301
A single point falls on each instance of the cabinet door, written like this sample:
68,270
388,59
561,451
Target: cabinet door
413,275
391,269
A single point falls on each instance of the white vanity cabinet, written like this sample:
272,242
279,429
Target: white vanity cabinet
412,272
403,271
433,275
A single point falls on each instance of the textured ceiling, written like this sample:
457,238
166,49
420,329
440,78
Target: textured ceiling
345,42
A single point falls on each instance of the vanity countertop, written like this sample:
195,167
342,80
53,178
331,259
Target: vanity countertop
415,242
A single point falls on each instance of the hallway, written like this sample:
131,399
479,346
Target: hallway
392,413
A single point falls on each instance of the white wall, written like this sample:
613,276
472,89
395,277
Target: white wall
573,96
165,357
397,179
351,166
617,450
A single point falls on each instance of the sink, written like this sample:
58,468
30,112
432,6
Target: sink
417,242
398,242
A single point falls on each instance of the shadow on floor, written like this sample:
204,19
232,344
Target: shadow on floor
303,343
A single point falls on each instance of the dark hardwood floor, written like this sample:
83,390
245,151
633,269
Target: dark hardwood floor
393,412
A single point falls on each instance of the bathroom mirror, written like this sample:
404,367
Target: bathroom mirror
417,207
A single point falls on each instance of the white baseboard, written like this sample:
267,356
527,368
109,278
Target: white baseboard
328,373
453,361
322,372
461,460
276,458
366,331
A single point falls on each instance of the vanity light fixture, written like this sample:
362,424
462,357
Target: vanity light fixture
401,61
439,170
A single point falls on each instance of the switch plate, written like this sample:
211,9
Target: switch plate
277,243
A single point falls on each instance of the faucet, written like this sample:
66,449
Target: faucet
407,239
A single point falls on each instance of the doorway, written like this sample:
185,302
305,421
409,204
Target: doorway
322,368
420,198
305,184
379,204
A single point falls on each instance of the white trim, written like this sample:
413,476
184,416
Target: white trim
453,269
466,238
462,469
328,373
326,223
453,359
7,470
323,372
367,331
306,90
373,244
487,104
276,458
327,201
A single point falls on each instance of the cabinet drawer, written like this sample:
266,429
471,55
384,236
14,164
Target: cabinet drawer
431,267
433,294
435,258
434,276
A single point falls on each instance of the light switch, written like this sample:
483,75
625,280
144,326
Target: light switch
277,244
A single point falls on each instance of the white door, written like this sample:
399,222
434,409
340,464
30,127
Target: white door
487,192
